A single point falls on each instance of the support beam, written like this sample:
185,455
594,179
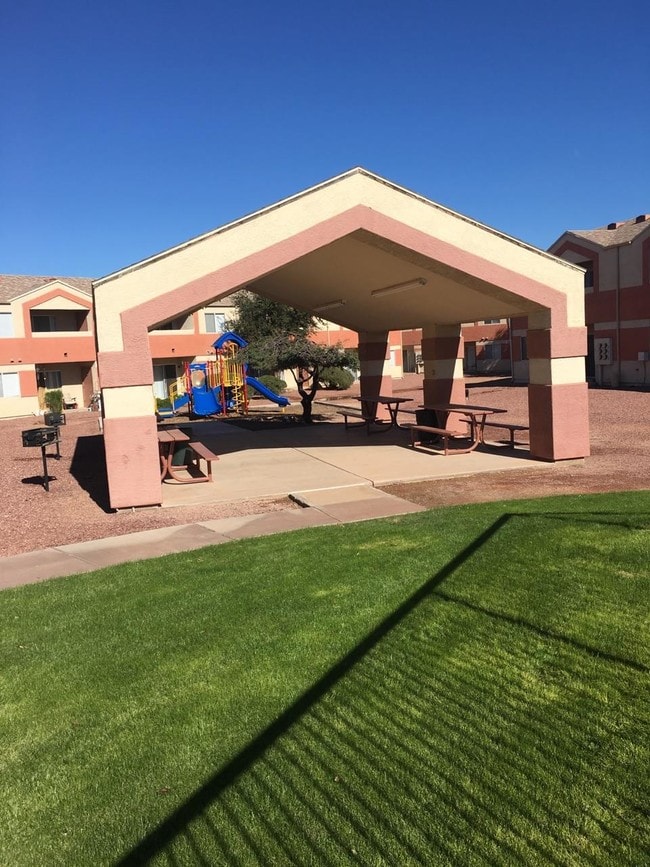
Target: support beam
131,446
442,355
558,406
373,354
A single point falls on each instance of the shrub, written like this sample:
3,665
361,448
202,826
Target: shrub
163,403
336,377
54,400
273,382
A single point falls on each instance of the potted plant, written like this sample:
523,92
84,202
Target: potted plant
54,403
164,407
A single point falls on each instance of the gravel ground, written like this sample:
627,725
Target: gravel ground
76,508
619,461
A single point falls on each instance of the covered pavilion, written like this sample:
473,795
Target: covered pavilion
373,257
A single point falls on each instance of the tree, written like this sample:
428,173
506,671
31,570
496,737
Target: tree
304,358
278,338
257,318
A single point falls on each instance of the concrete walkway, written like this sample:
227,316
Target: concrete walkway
321,507
331,473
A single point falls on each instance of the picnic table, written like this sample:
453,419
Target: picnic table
168,441
475,417
369,407
368,411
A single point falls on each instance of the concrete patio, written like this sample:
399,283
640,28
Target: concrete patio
301,459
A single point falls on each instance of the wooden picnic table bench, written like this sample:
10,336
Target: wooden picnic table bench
443,433
510,427
368,411
200,451
353,412
174,443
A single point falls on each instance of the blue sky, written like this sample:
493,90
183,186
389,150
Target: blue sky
129,127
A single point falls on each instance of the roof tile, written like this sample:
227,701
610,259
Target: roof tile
14,285
624,233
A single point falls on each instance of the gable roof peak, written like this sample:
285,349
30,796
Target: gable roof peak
616,233
12,286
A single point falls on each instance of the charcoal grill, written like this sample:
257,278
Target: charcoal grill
54,419
41,437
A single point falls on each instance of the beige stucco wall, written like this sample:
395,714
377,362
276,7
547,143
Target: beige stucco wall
608,269
59,303
16,308
12,407
232,243
631,264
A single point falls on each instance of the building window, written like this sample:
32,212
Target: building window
6,325
9,385
181,323
163,376
42,322
491,352
523,348
491,321
215,323
48,378
589,274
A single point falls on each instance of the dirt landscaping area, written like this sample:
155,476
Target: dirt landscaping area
76,507
619,461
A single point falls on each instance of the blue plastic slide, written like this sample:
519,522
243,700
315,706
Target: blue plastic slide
231,337
205,402
271,395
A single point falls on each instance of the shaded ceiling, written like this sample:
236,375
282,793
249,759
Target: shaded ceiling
349,269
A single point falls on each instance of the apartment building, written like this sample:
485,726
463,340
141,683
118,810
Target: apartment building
47,341
486,347
616,259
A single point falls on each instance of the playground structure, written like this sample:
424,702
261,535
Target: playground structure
219,386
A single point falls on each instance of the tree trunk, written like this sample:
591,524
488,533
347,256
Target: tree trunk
306,401
307,395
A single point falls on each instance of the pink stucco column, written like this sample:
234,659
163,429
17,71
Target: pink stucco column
374,352
130,433
558,407
442,356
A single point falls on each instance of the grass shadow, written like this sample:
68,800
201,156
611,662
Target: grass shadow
373,714
543,633
206,795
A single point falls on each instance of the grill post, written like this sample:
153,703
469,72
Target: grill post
46,475
42,436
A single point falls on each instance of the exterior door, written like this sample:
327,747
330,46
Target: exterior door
591,359
470,358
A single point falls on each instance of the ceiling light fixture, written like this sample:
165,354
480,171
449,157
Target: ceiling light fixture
329,306
399,287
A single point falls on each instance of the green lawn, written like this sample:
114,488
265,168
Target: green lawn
461,686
